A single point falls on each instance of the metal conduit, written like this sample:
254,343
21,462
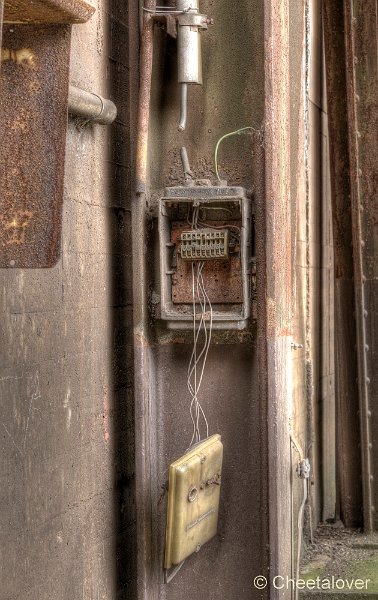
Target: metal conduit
91,106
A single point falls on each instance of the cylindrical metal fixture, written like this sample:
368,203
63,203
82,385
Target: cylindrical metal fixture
189,42
189,55
91,106
190,24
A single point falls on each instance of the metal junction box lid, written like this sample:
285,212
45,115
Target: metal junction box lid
193,500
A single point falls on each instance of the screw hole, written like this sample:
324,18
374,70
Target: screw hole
193,493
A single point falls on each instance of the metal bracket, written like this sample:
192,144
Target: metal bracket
194,20
303,469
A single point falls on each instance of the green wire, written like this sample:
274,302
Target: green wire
237,132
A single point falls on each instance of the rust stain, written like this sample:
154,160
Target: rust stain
16,228
23,56
20,123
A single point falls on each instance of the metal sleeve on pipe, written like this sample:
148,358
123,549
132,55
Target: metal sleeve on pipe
91,106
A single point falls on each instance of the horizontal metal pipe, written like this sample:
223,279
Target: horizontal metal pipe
91,106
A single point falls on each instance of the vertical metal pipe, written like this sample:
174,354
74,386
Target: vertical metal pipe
146,57
189,55
183,105
189,49
147,588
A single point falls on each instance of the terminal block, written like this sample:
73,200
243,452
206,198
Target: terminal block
204,244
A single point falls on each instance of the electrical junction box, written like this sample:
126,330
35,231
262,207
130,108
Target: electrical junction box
193,500
212,224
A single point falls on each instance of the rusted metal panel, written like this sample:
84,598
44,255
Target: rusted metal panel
362,79
33,121
223,280
348,457
47,11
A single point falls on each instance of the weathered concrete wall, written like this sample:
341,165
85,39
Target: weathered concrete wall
66,510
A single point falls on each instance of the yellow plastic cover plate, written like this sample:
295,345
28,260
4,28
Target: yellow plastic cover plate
193,500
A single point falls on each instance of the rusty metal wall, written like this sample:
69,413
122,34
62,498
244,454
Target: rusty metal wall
348,435
350,36
35,57
33,131
362,100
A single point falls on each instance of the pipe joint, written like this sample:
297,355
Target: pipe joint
90,106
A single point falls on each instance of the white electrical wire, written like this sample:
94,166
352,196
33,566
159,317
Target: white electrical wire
207,338
300,536
198,358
